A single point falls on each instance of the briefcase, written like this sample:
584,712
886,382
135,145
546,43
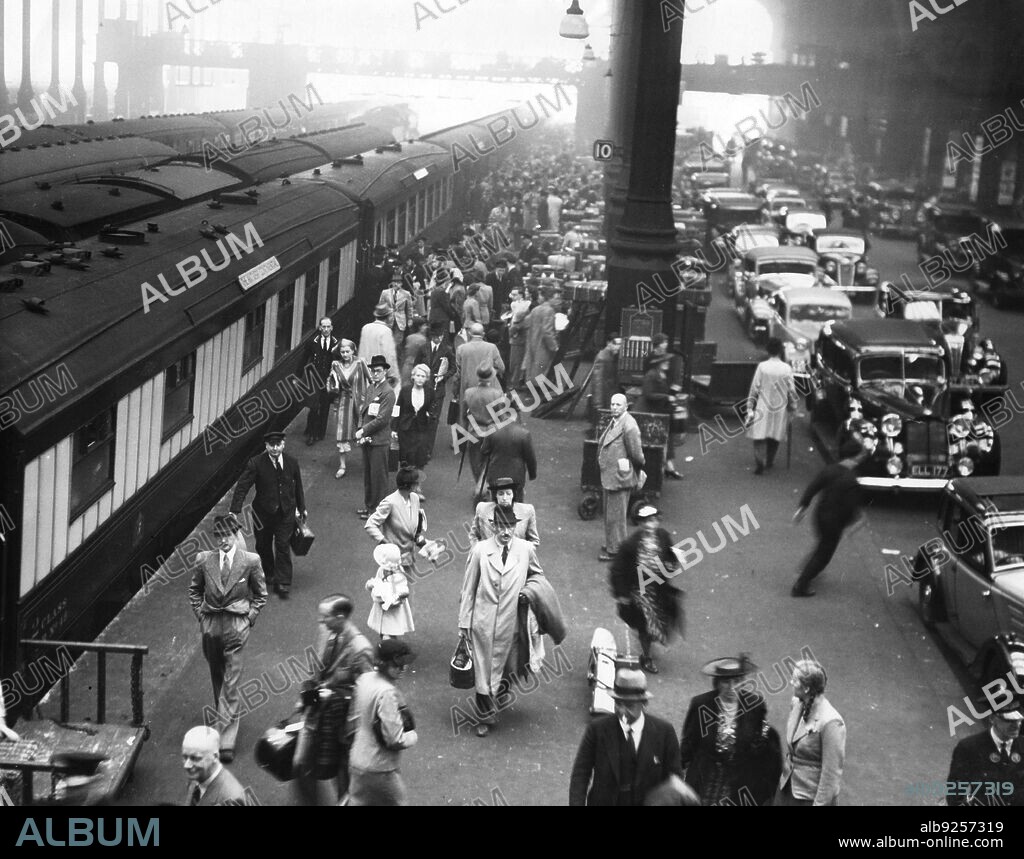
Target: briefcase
302,538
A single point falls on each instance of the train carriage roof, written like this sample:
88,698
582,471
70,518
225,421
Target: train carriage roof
83,208
348,140
274,159
182,180
161,128
96,325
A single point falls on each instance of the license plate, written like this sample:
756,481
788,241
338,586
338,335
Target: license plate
928,471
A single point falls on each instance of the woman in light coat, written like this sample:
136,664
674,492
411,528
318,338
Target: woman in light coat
400,519
350,378
772,399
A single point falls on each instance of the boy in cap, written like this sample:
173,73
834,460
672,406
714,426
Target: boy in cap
227,592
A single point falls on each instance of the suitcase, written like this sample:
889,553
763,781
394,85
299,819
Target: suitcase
302,538
601,673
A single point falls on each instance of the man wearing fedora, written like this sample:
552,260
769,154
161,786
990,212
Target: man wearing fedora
376,338
504,494
227,592
730,754
496,571
471,356
401,309
988,762
475,416
374,435
625,755
541,335
279,501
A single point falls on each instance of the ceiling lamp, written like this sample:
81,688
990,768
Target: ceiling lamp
588,55
574,25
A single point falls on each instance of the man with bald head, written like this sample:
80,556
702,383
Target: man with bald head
470,356
209,782
620,457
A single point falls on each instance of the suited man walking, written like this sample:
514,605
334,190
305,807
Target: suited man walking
374,435
227,592
477,417
624,756
279,501
620,456
508,452
470,356
440,357
401,310
321,352
209,783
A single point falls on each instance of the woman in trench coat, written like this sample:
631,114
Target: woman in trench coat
772,399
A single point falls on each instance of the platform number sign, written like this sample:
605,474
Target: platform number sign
605,150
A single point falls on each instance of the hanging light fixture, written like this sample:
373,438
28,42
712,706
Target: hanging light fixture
588,54
574,25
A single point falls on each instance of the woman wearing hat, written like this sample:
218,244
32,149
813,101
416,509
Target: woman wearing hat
654,608
730,753
812,771
350,378
400,518
385,728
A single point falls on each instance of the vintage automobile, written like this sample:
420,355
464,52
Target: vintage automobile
691,227
774,211
883,382
970,577
701,179
765,271
799,226
972,363
843,255
895,206
770,190
728,212
944,227
1003,271
796,316
730,249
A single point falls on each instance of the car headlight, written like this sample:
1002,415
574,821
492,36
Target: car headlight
894,465
861,268
988,375
871,277
891,425
802,344
897,449
965,466
959,428
830,266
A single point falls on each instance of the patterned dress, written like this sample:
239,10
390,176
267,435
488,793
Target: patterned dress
351,383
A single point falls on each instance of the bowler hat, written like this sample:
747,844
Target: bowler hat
502,483
225,525
274,436
395,651
484,371
630,685
379,361
730,666
438,329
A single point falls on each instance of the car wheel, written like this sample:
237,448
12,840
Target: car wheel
929,601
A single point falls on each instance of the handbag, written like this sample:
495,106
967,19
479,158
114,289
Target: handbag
461,673
302,538
275,750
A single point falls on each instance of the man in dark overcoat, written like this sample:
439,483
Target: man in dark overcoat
321,352
989,762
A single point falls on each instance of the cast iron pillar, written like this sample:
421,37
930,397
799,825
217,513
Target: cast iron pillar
55,52
25,94
78,89
644,244
100,98
5,102
624,70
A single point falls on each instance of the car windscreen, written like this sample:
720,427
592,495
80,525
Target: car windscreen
746,241
901,366
1008,547
785,268
817,312
958,225
847,244
727,218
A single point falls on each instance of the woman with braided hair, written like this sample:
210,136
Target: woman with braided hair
812,770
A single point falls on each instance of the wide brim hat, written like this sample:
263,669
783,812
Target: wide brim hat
630,685
379,361
387,554
502,483
729,666
504,516
381,311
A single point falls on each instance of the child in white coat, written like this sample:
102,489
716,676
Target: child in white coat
391,615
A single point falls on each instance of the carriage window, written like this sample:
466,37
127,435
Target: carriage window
179,395
333,279
421,210
285,320
92,468
309,317
252,346
392,220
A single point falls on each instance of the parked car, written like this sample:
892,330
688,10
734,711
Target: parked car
950,228
1003,271
972,363
799,226
971,576
765,271
796,317
844,256
884,383
895,209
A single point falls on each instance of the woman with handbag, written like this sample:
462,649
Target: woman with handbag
385,728
400,518
323,746
349,378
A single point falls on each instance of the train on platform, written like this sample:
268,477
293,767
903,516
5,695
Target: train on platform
154,317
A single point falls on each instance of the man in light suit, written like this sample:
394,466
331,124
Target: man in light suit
209,782
279,501
526,515
470,356
496,570
227,592
374,435
623,757
321,352
477,418
376,338
541,335
401,309
620,456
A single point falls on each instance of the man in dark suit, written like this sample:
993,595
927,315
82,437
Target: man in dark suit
624,756
279,501
509,451
209,782
374,435
986,762
227,592
442,313
440,357
470,356
321,352
502,283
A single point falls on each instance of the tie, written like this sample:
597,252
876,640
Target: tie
196,796
504,555
223,562
277,464
630,745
